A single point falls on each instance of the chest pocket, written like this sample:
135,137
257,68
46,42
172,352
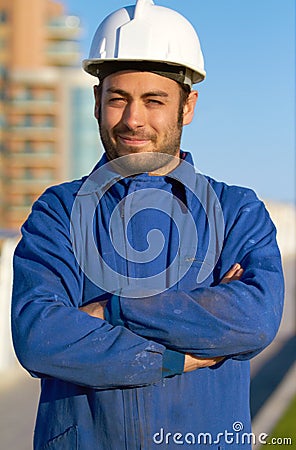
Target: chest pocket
65,441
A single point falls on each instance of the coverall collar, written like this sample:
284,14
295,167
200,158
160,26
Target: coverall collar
104,175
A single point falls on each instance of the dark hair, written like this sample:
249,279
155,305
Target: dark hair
184,94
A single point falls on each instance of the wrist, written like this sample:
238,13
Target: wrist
173,363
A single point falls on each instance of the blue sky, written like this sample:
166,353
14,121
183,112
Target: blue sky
244,128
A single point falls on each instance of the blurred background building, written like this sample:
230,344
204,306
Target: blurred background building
46,131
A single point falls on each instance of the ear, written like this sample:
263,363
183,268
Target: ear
188,111
97,95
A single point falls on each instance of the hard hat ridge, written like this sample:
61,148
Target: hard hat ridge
141,7
146,33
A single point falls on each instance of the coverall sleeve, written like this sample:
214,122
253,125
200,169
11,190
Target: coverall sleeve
52,337
238,319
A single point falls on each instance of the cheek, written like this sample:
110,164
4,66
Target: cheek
158,120
110,118
164,123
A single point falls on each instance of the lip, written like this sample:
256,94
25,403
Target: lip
130,141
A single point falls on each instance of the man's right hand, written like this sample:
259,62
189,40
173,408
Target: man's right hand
193,362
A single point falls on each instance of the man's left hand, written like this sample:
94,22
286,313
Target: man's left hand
95,309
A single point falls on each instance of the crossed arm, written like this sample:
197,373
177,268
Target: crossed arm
191,363
53,338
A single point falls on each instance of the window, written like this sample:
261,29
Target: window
28,147
3,16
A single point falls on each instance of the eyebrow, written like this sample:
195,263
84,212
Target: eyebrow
157,93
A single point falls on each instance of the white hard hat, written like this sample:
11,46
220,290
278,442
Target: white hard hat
147,33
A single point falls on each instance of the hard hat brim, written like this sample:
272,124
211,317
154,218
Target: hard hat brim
92,66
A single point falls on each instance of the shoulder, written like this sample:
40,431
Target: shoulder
60,196
52,209
237,202
232,195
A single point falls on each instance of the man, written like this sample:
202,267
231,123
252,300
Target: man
142,291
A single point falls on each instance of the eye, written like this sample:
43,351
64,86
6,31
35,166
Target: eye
116,101
154,102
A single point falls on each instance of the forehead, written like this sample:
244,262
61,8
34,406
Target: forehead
134,82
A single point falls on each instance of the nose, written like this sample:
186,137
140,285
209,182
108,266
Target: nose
134,115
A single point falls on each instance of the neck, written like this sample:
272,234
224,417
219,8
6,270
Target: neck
167,168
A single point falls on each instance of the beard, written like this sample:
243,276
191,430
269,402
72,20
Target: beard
160,154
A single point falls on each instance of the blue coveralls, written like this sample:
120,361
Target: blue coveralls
118,383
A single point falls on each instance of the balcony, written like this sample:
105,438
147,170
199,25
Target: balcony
29,127
34,106
33,100
33,183
40,160
24,186
64,28
33,133
46,77
65,53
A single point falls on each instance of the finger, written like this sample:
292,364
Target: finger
240,273
233,274
234,269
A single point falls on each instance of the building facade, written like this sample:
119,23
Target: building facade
43,92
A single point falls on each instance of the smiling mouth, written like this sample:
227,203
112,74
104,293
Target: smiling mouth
132,140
